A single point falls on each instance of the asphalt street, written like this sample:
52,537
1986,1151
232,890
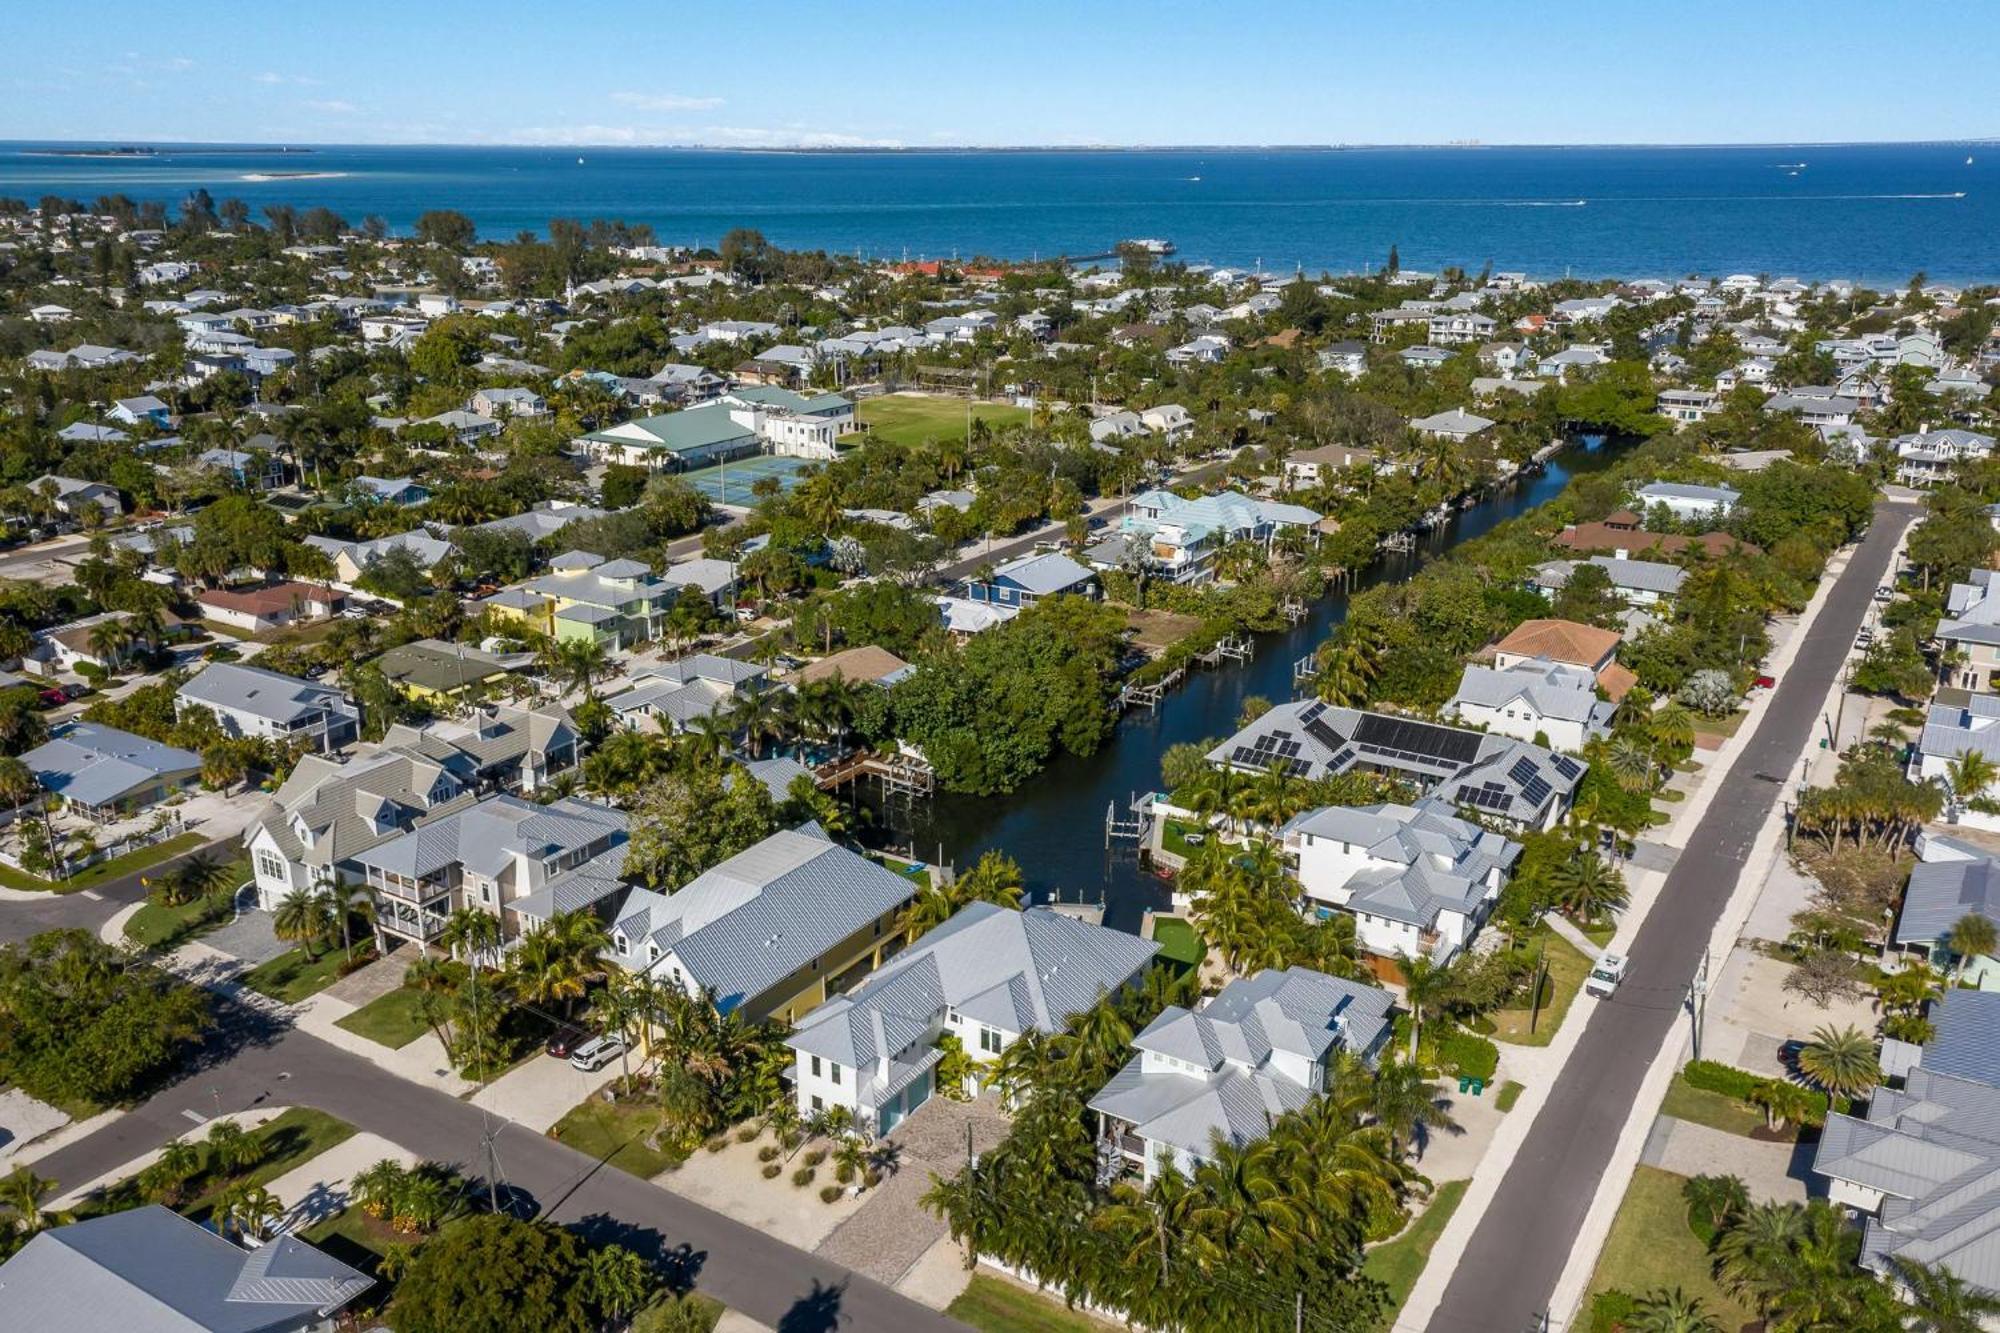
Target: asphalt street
91,908
1516,1255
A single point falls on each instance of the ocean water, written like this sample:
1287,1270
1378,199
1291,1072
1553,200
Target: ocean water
1872,213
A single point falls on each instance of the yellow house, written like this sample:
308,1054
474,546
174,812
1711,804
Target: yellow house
435,671
769,931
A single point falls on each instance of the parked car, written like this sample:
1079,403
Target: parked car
566,1039
1765,683
52,698
596,1053
76,691
1605,976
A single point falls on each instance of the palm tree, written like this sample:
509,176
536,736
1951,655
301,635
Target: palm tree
178,1163
22,1192
248,1209
1717,1198
553,962
1841,1061
1427,983
472,930
1586,888
1630,763
1970,773
1664,1311
304,917
1940,1300
1972,936
231,1149
201,875
1784,1103
1406,1103
375,1188
1672,726
17,784
1152,1218
618,1281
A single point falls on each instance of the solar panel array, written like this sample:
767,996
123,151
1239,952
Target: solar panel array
1275,748
1565,765
1491,796
1417,742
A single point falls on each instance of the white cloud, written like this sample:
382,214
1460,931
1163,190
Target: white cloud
333,106
271,78
666,102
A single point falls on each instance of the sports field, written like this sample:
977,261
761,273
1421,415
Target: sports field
730,483
912,418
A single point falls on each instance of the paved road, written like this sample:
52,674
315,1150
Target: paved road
253,1063
92,907
1517,1254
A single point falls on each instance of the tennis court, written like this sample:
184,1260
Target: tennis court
731,483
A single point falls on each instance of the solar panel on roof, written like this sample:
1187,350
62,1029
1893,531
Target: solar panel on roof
1340,761
1488,797
1317,728
1536,789
1312,713
1422,740
1523,770
1566,766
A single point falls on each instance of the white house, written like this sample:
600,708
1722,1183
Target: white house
250,701
1418,880
986,977
1689,504
1548,702
1258,1050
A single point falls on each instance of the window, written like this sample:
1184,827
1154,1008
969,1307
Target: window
833,1070
818,1104
951,1016
989,1041
815,1066
272,866
619,942
485,892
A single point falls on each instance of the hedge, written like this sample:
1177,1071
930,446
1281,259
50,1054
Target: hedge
1469,1055
1710,1076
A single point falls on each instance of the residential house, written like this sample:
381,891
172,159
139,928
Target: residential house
86,642
72,496
269,607
353,559
254,471
1550,703
1029,578
675,694
545,520
1311,468
1623,534
510,404
1688,406
771,932
388,490
1418,880
1939,895
1457,424
150,1270
715,580
1970,631
867,664
963,617
585,597
1170,420
1258,1050
1348,357
146,407
1422,357
1638,582
1922,1166
1930,456
1454,328
1207,349
1497,776
105,774
1573,360
1954,723
1688,504
987,977
433,670
498,747
1509,359
492,856
250,701
1180,538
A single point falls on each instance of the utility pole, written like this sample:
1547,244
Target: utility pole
1697,1002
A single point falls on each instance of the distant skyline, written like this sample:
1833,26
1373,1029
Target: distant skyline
1013,73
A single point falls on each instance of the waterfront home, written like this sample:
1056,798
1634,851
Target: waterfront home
1311,468
150,1270
1550,703
1688,504
1224,1071
353,559
1027,579
1688,406
1622,534
488,856
250,701
1457,424
675,694
1180,538
864,664
771,932
1638,582
1930,456
1922,1165
388,490
1418,880
1970,631
986,977
104,774
1939,895
270,607
1500,777
963,617
432,670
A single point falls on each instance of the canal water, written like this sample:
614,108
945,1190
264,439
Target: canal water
1054,825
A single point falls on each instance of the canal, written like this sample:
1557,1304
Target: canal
1054,825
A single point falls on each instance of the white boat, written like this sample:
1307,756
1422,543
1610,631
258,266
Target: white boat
579,161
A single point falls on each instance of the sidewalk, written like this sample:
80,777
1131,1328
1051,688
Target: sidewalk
1543,1067
317,1189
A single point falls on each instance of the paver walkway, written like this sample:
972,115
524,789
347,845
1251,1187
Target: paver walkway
1773,1172
315,1190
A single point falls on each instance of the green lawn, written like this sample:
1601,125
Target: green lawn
157,927
997,1306
1398,1263
1600,933
291,976
911,419
1720,727
1179,941
1510,1092
1652,1246
117,866
352,1237
390,1020
1567,969
293,1136
1714,1109
1173,837
616,1132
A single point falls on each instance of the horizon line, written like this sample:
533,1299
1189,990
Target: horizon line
888,147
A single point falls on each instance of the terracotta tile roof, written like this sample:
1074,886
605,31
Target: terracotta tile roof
861,665
1594,537
1561,641
273,600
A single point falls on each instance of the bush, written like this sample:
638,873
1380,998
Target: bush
803,1177
747,1133
771,1170
815,1157
844,1172
1612,1310
769,1152
831,1193
1469,1055
1710,1076
717,1144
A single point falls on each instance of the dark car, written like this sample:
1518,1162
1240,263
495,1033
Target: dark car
566,1039
76,691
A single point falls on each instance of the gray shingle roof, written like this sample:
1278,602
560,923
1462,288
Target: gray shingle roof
261,693
94,765
483,837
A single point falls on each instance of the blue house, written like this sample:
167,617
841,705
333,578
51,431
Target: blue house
388,490
1027,580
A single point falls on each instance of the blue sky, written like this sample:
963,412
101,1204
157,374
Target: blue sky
788,73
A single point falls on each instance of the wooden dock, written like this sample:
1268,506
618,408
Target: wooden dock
899,773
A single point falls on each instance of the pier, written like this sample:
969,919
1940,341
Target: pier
899,774
1134,826
1235,648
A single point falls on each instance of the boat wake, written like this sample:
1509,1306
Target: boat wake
290,175
1542,203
